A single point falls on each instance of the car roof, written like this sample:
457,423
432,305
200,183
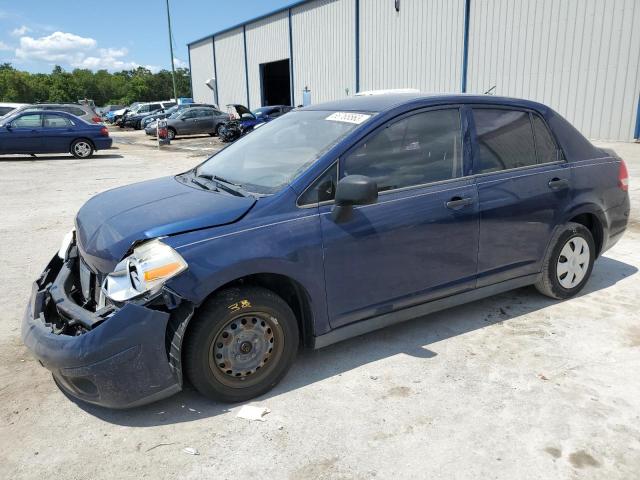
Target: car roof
66,104
57,112
381,103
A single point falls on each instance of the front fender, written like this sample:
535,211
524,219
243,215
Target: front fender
291,247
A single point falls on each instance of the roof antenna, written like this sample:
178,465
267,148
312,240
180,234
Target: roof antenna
488,92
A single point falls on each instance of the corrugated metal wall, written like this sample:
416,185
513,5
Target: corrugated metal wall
418,47
201,55
324,49
267,41
581,57
230,68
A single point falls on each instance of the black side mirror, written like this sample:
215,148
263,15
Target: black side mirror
353,190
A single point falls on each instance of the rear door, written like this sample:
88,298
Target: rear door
24,136
205,119
57,133
523,187
419,240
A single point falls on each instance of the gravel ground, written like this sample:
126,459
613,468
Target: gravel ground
512,387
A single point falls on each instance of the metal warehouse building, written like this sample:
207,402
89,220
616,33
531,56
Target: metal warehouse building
581,57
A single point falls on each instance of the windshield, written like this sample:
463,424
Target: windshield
171,110
259,111
273,155
13,111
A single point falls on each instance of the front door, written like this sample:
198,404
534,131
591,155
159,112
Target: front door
24,134
419,240
523,187
188,122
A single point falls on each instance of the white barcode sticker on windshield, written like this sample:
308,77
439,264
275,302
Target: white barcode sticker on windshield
348,117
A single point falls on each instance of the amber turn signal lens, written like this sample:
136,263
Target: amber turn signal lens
162,271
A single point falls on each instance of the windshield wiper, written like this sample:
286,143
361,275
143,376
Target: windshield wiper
204,185
224,180
222,183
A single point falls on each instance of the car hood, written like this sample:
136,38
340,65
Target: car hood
111,222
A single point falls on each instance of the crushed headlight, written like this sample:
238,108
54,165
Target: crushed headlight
67,240
144,271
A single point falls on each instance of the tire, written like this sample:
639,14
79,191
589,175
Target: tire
565,273
81,148
171,133
240,344
217,131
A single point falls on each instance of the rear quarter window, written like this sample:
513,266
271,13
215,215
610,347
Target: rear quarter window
78,112
546,147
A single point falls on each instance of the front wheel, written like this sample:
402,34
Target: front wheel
81,149
568,263
241,344
171,133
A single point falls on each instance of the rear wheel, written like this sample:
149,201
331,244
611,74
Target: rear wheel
81,149
171,133
568,264
241,344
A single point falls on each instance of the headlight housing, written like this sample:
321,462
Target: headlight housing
144,271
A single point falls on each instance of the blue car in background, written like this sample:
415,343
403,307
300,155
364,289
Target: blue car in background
329,222
48,131
271,112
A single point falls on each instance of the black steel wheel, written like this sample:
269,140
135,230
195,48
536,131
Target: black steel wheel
241,344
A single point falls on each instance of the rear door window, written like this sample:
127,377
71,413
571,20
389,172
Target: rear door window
546,147
419,149
56,121
505,139
32,120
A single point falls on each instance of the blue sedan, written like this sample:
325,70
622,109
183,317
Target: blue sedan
51,132
332,221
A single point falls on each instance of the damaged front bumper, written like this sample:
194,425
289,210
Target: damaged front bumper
117,357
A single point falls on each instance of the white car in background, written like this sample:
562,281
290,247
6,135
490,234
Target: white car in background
6,108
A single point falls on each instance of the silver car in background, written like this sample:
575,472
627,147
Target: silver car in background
192,121
85,112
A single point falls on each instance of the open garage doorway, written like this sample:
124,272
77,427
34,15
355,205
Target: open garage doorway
275,81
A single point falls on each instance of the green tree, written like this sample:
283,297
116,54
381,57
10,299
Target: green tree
102,87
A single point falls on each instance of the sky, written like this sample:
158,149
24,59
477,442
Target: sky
35,35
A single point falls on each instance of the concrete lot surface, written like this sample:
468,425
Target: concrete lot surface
513,387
